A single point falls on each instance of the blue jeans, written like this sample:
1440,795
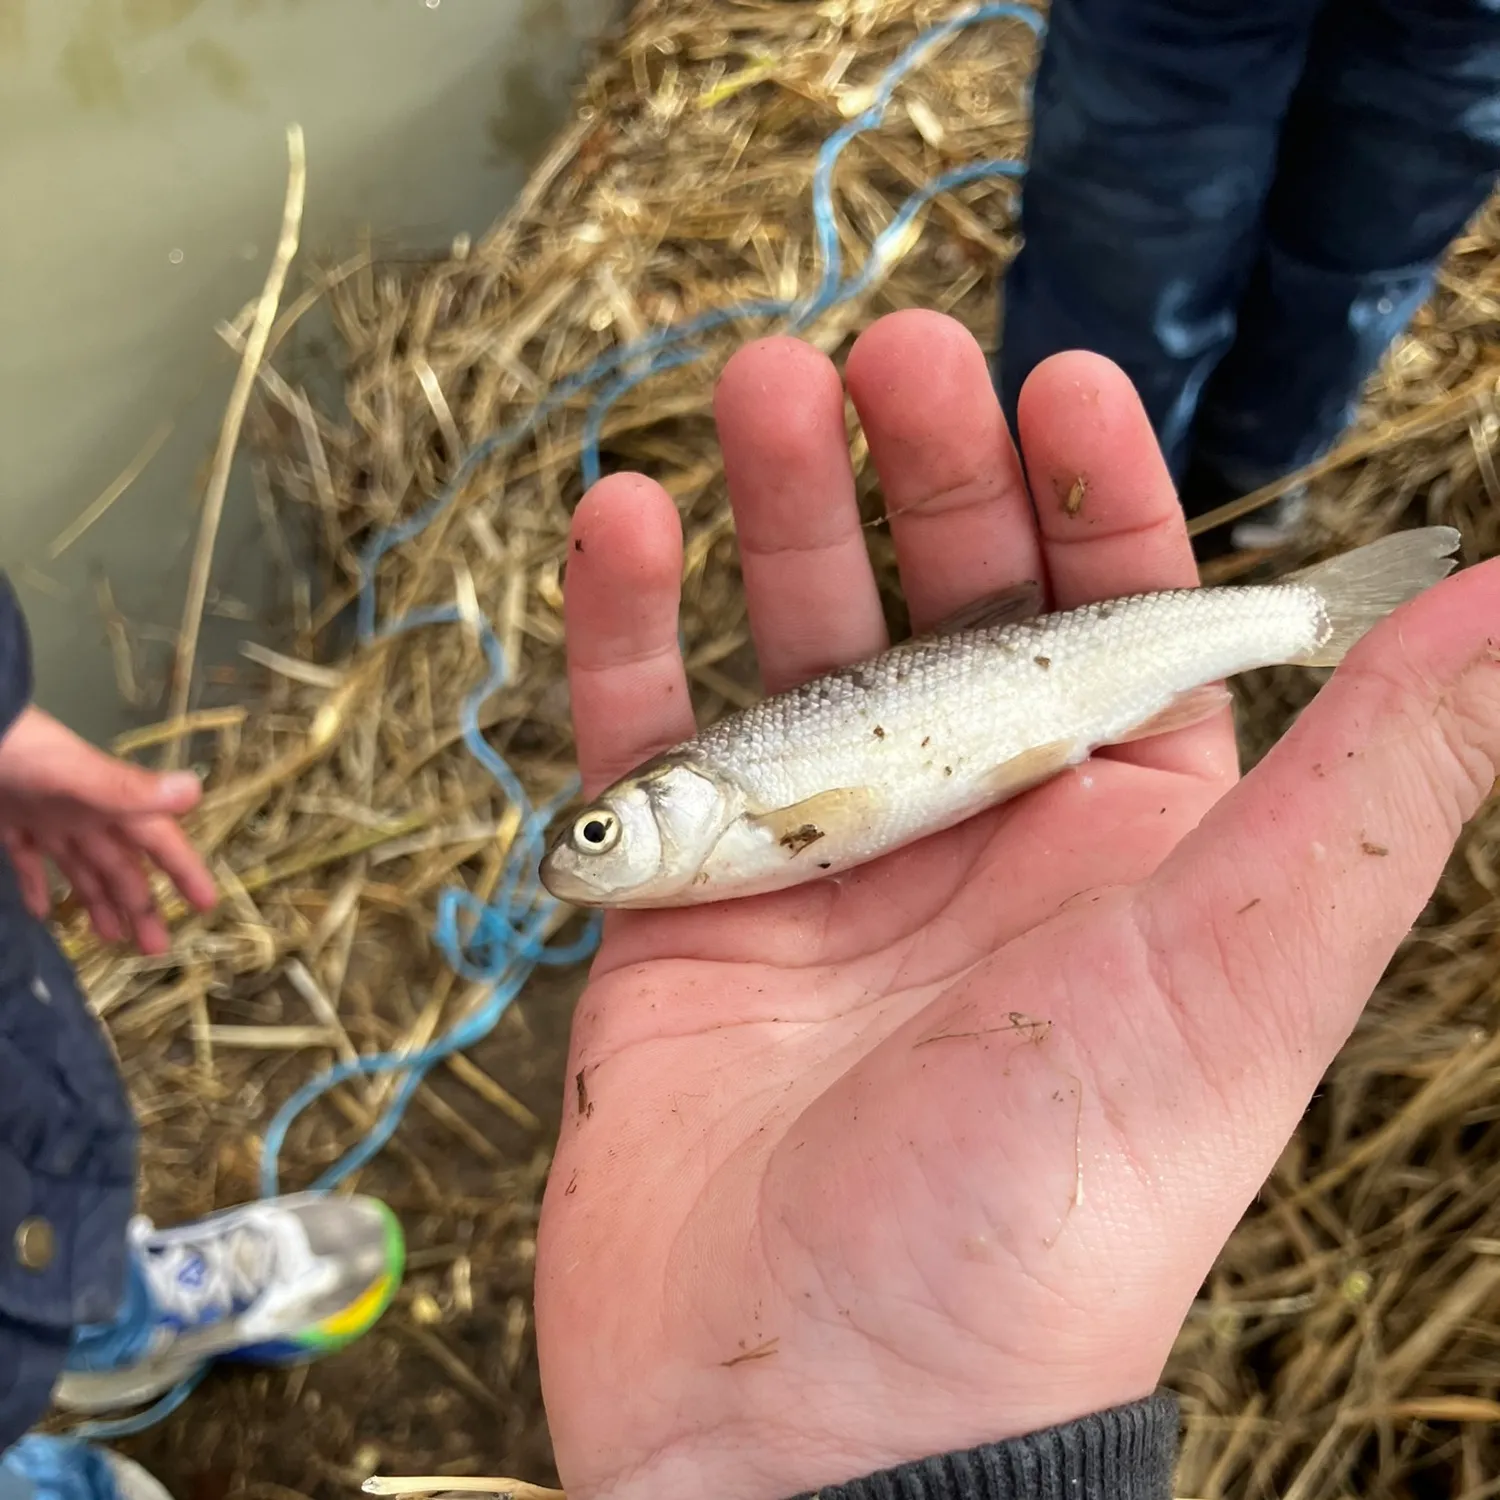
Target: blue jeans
1243,204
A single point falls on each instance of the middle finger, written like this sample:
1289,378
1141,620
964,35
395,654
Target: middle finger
960,514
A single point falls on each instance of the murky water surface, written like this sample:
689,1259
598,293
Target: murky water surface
142,170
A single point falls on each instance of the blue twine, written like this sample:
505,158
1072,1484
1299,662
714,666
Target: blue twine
500,942
104,1431
831,291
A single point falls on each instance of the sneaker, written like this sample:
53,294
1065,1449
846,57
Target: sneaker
1276,523
1273,525
52,1468
279,1282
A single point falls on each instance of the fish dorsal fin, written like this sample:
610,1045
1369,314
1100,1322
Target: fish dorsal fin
1008,606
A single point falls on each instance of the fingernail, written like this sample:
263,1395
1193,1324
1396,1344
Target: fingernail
177,785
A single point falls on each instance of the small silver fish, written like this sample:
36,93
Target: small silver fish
874,756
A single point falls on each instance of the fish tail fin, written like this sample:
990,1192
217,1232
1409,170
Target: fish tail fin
1360,588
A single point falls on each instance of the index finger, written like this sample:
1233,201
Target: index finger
1110,522
163,841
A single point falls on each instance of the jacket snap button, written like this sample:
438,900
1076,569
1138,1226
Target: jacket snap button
36,1244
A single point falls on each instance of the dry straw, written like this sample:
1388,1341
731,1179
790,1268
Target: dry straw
1346,1342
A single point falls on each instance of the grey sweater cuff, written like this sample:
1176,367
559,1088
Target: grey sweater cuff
1128,1453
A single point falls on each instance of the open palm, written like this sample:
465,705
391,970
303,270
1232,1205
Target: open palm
939,1152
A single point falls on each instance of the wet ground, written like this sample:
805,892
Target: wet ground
142,172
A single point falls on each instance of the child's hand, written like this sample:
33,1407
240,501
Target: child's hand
97,818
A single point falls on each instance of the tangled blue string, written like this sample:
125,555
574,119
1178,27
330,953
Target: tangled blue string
107,1431
500,942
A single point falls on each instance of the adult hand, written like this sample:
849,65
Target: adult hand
98,819
940,1152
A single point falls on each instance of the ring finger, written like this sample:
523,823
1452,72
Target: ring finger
119,868
89,889
809,588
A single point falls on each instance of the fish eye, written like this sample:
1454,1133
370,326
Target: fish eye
596,832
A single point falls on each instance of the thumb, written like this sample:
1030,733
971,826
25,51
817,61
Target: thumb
122,790
42,758
1274,920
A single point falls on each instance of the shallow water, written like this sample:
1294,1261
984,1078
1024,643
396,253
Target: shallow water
142,171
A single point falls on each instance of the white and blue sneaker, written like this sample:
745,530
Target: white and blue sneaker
51,1468
278,1282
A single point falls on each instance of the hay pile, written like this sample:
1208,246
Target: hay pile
1343,1344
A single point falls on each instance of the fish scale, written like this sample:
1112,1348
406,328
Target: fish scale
950,710
868,758
987,695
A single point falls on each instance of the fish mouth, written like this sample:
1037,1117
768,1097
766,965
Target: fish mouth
563,884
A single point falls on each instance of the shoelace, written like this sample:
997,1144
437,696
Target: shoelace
200,1280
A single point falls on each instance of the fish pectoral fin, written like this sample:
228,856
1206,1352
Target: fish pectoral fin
1186,709
840,811
1007,606
1030,768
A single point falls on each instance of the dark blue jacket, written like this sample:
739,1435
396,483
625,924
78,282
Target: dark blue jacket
67,1138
